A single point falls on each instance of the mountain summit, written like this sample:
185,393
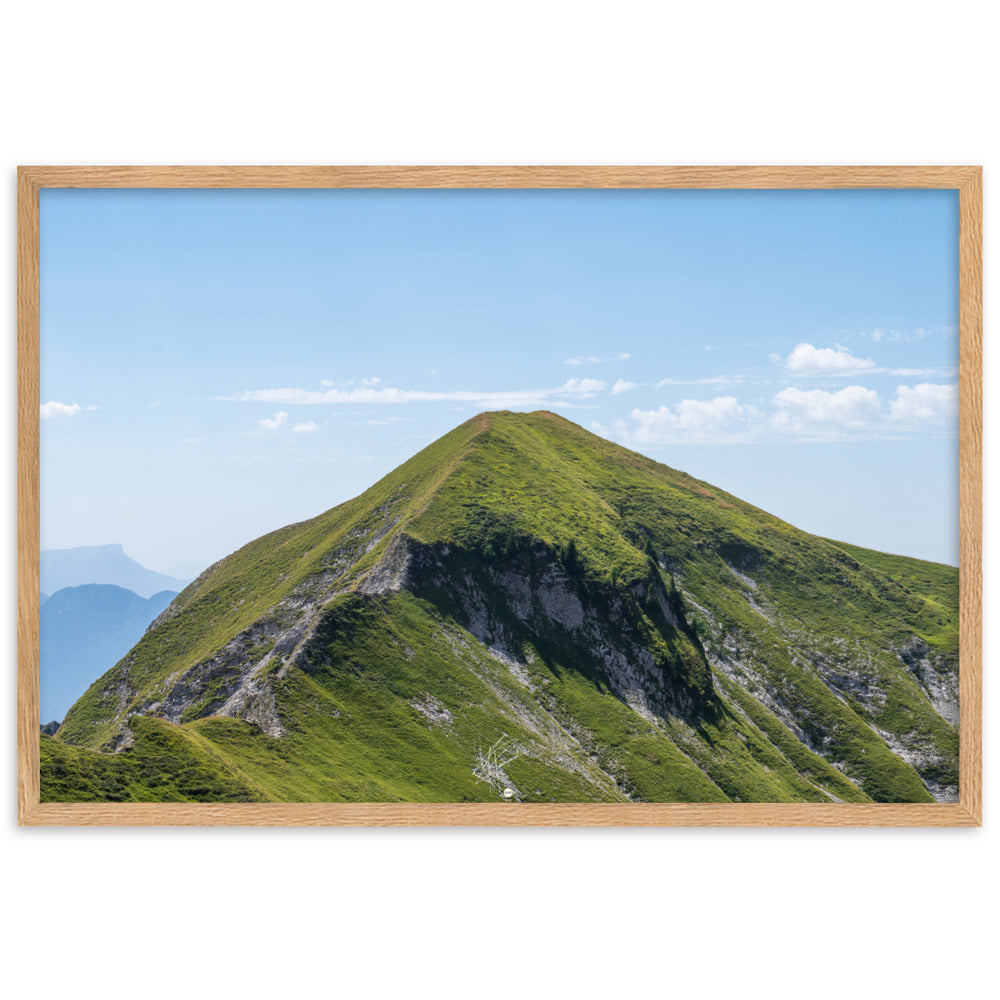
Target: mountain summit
526,610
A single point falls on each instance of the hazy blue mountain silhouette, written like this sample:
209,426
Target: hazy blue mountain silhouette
102,564
86,631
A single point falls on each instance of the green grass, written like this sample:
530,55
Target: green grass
166,764
517,490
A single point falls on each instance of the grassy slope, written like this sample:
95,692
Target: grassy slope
934,583
557,481
352,733
167,764
502,477
238,590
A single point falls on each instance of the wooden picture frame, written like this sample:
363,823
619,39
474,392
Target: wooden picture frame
967,180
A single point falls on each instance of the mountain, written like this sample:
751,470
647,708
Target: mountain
84,631
526,610
62,568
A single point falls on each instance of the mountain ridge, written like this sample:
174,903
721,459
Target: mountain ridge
102,564
84,631
592,597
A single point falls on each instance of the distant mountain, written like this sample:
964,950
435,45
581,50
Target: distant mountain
86,631
525,610
102,564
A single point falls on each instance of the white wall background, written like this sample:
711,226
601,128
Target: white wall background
482,913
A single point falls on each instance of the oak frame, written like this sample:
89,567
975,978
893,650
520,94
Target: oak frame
967,812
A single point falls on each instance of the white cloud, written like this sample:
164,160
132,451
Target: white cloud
721,419
593,359
621,386
924,403
711,380
369,382
808,360
574,389
54,409
306,427
851,413
818,412
273,425
583,387
897,337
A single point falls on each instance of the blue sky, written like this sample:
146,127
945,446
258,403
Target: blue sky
217,364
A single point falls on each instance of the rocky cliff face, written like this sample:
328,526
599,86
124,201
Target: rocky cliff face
860,675
639,642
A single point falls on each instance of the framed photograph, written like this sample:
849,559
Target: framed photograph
504,496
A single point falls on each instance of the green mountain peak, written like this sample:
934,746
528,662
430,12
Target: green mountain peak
633,632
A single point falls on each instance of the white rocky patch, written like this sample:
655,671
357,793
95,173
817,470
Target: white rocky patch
935,675
919,756
432,710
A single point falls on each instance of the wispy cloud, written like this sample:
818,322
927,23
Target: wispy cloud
571,389
593,359
710,380
272,424
839,362
55,409
621,386
878,334
366,382
306,427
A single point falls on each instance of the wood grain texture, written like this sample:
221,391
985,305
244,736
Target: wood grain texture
501,176
970,510
967,812
499,814
28,598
